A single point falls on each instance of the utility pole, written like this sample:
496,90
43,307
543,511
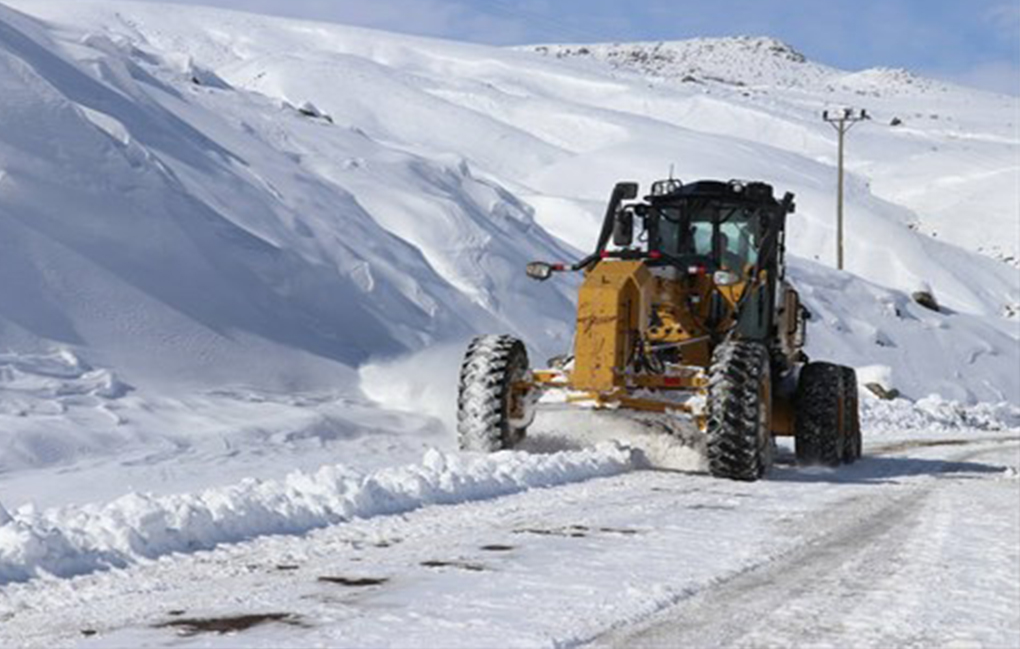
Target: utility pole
842,120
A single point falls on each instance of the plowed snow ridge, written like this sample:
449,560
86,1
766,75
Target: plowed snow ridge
77,540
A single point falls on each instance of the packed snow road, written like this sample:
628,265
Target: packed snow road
933,565
879,553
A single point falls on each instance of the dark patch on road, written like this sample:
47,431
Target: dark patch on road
573,531
497,547
355,582
463,565
576,531
286,566
228,624
926,443
626,531
919,443
88,633
177,612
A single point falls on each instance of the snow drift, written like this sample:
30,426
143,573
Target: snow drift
78,540
141,226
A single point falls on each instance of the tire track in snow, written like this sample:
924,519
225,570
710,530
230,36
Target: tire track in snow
806,596
888,449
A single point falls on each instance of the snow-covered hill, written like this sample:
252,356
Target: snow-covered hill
947,153
217,229
742,61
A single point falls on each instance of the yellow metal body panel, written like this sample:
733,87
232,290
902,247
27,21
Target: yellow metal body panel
550,378
618,302
622,305
613,307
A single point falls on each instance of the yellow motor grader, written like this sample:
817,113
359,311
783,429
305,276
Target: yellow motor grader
696,318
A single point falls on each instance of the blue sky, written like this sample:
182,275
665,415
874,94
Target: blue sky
975,42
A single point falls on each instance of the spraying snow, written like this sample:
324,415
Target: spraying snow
424,382
661,441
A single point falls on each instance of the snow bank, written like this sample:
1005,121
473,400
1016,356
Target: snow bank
77,540
895,342
55,407
46,381
936,414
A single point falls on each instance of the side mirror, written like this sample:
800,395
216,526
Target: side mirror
623,228
626,191
539,270
788,205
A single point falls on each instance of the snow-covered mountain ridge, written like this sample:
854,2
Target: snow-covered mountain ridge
244,223
738,61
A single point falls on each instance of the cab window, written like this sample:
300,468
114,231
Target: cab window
679,236
727,234
737,246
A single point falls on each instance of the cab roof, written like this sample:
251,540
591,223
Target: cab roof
667,191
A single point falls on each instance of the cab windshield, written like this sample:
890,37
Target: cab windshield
728,234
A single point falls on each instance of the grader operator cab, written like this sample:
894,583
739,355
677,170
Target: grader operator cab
695,317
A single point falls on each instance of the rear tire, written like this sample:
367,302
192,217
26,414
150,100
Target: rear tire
819,432
852,442
491,414
738,434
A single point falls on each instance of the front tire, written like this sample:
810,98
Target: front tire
819,436
492,413
852,442
738,434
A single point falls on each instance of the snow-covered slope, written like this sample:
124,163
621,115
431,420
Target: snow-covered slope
190,235
947,153
214,225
